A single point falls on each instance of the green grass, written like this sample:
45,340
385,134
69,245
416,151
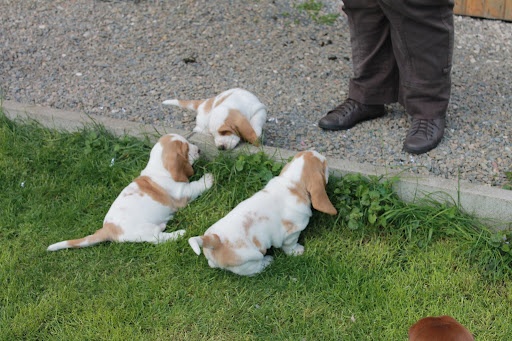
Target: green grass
367,274
314,10
508,183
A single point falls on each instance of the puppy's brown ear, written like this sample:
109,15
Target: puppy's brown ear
175,159
439,328
319,198
242,126
211,241
223,253
314,178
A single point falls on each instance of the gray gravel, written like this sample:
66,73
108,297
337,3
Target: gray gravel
122,59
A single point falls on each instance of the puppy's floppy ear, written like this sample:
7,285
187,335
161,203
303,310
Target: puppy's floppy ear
196,243
242,126
314,177
211,241
319,198
439,328
185,168
175,159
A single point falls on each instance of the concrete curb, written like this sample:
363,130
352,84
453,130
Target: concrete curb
486,202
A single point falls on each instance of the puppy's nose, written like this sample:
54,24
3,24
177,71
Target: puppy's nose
199,151
222,147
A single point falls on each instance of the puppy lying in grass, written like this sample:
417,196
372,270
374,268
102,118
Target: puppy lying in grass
140,213
274,216
233,115
443,328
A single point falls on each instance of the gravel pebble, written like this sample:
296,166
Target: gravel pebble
123,58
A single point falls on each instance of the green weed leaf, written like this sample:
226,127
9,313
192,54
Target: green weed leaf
239,165
353,224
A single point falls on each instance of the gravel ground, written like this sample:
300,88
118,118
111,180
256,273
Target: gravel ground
122,59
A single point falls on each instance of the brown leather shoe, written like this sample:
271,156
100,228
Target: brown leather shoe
349,113
424,135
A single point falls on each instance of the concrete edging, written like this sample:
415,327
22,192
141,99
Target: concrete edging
485,202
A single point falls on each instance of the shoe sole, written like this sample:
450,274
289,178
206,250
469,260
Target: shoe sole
337,127
420,150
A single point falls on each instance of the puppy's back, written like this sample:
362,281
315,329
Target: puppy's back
443,328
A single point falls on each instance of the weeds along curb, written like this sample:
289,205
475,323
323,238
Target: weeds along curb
486,202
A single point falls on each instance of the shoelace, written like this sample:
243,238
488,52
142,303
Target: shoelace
345,108
426,127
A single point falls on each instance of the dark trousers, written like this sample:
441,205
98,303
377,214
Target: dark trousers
402,51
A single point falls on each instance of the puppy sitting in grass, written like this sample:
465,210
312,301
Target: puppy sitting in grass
273,217
233,115
140,213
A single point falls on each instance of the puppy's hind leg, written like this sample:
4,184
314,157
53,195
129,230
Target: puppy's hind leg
168,236
152,233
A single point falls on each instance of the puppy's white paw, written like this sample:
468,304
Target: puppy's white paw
266,261
179,233
200,130
208,180
296,250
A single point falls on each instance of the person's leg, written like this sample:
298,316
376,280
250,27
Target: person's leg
422,35
375,79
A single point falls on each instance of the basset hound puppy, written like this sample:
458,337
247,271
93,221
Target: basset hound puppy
232,115
140,213
273,217
442,328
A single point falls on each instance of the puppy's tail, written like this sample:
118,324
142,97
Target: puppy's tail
187,104
99,236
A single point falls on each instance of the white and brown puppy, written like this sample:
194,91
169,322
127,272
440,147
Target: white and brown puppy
273,217
442,328
232,115
140,213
